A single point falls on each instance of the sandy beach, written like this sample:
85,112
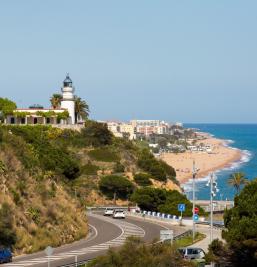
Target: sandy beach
220,157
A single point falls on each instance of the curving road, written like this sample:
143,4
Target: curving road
105,232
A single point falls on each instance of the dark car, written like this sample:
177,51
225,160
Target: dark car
5,255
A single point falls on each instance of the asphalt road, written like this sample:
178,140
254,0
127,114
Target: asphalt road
105,232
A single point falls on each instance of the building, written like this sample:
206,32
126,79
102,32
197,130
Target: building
121,129
64,115
148,127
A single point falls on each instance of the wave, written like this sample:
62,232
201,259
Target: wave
228,142
246,157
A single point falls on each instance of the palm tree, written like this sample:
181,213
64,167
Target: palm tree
56,100
81,109
237,180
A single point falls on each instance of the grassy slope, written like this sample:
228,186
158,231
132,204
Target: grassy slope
48,208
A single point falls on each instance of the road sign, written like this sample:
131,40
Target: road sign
181,207
166,235
196,211
49,251
196,217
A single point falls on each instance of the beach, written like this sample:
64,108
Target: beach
221,157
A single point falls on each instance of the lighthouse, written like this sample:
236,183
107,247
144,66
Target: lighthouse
68,101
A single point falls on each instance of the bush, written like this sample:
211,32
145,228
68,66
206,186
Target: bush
241,221
97,134
7,234
135,253
158,169
89,169
34,149
161,200
103,154
142,179
114,184
16,196
119,168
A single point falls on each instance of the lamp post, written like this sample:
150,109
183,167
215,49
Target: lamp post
194,175
212,182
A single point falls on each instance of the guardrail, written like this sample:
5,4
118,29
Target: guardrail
182,235
168,218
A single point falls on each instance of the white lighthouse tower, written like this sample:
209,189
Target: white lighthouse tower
68,101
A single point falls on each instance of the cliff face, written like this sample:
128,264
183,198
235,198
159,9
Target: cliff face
40,210
48,176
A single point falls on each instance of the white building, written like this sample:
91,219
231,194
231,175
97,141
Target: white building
64,115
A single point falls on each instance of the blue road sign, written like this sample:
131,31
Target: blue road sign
196,217
181,207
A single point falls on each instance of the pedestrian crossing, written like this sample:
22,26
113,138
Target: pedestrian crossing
128,229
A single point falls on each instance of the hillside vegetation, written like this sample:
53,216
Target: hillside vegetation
49,175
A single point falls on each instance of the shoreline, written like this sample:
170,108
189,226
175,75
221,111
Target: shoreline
222,156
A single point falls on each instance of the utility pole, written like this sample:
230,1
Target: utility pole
194,175
211,202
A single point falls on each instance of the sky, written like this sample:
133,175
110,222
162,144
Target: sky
187,61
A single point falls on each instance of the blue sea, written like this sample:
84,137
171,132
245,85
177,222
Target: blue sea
241,136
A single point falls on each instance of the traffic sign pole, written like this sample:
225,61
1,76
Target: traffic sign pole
181,208
76,260
49,251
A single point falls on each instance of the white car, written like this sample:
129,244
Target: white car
119,214
108,212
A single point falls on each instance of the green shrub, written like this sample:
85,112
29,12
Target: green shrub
119,168
135,253
7,234
35,149
142,179
103,154
89,169
34,214
114,184
97,134
161,200
158,169
241,230
16,196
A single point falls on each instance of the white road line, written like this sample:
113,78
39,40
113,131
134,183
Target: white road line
127,229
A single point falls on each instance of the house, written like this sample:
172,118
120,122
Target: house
65,114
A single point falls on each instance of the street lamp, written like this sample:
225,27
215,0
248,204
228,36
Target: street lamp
212,182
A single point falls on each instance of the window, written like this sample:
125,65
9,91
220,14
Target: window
48,120
12,120
22,120
35,120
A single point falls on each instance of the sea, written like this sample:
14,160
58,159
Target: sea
240,136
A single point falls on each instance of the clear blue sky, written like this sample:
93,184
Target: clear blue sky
190,61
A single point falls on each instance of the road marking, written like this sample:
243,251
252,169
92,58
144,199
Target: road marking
127,229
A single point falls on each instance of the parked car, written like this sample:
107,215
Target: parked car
119,214
192,253
5,255
108,212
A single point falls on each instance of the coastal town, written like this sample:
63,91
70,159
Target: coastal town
177,145
128,134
